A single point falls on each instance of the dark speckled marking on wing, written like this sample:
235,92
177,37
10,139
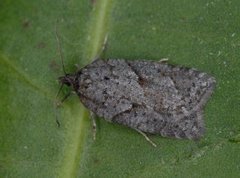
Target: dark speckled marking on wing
153,97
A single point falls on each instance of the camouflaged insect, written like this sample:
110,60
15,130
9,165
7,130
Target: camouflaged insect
152,97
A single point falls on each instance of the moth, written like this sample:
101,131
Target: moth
148,96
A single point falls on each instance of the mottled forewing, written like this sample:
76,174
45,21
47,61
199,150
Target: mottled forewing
150,121
173,90
109,87
149,96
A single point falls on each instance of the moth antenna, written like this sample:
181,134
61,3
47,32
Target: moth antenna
56,113
57,121
56,105
60,48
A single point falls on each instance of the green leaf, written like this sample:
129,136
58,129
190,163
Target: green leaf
200,34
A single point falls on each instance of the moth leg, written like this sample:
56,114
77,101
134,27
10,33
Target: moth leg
57,104
146,137
65,97
94,124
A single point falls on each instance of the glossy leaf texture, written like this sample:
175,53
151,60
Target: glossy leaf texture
199,34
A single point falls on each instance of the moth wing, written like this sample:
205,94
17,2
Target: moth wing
150,96
109,88
173,90
149,121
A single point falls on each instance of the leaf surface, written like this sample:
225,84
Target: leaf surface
199,34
